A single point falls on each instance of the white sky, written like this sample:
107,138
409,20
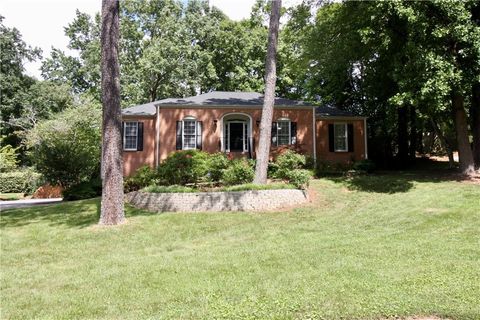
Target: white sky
41,22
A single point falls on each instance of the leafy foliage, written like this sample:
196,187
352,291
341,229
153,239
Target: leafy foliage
144,176
184,167
8,158
21,181
240,171
66,148
83,190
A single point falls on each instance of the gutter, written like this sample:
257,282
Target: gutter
157,138
314,129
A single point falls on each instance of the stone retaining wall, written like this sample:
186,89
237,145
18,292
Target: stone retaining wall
257,200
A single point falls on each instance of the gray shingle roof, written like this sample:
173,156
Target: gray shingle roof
214,98
328,111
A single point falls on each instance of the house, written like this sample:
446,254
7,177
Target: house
230,122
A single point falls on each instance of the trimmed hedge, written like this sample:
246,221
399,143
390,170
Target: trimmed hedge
21,181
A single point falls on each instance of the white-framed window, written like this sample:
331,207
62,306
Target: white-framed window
130,135
189,134
340,137
284,134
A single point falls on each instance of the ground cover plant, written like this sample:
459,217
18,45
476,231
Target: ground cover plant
375,246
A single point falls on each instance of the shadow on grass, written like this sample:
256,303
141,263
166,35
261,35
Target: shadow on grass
75,214
399,181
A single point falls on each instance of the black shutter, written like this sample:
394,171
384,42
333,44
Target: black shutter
199,134
140,136
123,133
331,138
350,137
274,133
293,132
179,135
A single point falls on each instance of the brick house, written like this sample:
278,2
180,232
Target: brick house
230,122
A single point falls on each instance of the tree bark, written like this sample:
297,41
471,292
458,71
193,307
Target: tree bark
461,126
445,144
402,136
413,134
263,153
475,115
112,211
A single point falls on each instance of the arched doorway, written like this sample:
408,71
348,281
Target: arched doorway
236,133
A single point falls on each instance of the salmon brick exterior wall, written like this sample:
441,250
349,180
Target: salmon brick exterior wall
132,160
211,135
323,151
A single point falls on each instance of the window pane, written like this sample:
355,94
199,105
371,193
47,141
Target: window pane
340,134
130,135
189,139
283,132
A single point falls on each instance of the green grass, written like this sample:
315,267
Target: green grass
11,196
389,245
168,189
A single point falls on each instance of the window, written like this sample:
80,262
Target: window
340,137
130,135
189,134
283,132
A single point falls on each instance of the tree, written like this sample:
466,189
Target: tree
263,153
14,83
112,211
65,148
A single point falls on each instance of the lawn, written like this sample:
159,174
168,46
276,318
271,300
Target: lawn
371,247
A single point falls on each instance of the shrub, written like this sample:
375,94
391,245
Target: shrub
182,167
144,176
300,178
83,190
238,172
218,162
168,189
364,165
20,181
332,168
252,186
66,148
8,158
288,161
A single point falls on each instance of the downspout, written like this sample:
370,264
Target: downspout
314,129
157,138
365,135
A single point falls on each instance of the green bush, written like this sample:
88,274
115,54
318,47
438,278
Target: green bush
66,148
168,189
300,178
288,161
83,190
325,168
217,163
8,158
364,165
144,176
238,172
20,181
182,167
252,186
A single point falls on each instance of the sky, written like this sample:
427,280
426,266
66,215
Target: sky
41,22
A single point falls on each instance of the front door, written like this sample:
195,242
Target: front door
236,137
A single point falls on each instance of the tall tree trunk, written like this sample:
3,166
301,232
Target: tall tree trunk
413,134
445,144
112,167
263,153
475,115
402,136
461,126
